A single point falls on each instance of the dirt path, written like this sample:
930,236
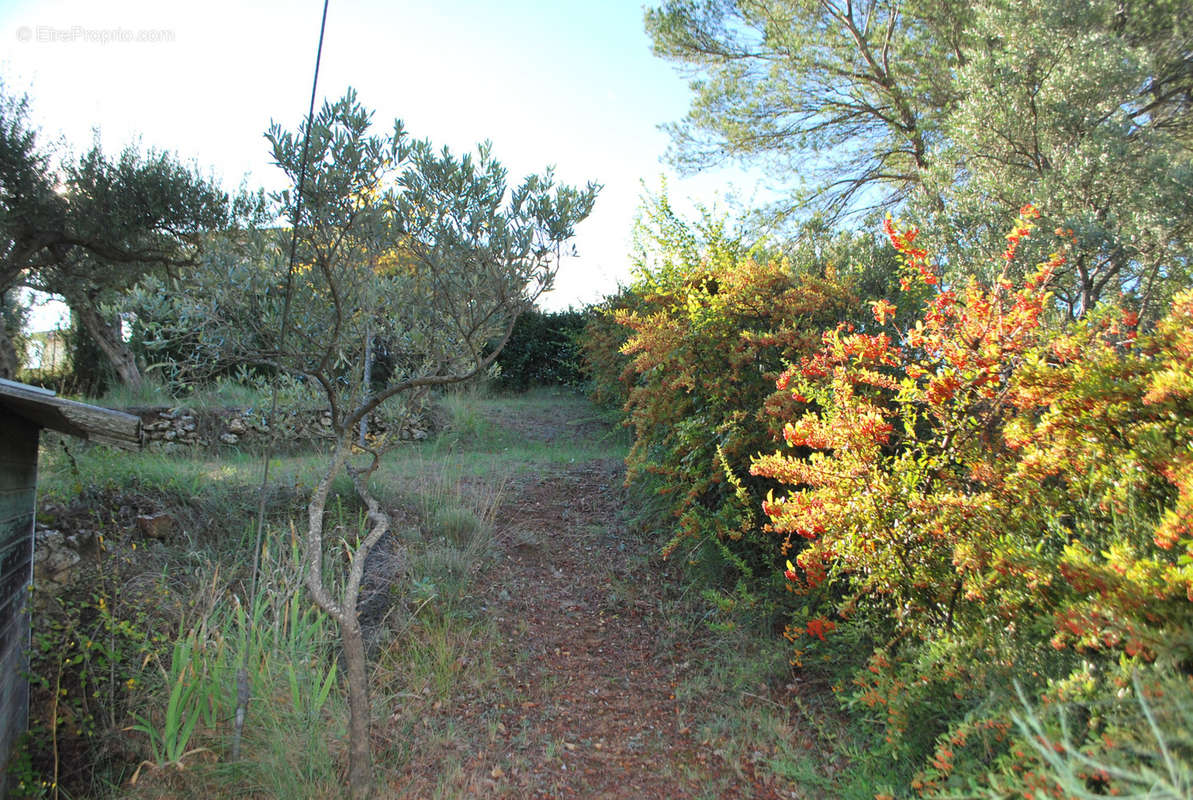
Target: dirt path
588,707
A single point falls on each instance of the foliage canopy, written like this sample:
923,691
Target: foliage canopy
957,113
399,248
90,228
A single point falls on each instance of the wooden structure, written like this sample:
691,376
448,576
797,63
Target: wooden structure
24,411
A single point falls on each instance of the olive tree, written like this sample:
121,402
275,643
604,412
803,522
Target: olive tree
432,254
89,228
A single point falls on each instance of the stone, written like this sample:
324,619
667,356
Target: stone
180,429
155,526
53,559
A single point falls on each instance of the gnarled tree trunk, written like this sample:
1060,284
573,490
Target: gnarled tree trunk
109,336
8,355
10,324
344,610
360,763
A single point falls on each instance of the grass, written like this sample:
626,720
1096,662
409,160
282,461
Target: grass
149,393
493,451
471,429
747,704
224,393
181,636
441,656
173,647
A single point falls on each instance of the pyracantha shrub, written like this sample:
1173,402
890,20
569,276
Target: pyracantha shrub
993,497
705,330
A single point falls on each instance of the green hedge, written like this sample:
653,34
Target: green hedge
543,350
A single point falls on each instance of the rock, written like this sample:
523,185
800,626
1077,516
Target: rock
179,429
155,526
53,560
48,537
83,541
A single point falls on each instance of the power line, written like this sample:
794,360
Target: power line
243,689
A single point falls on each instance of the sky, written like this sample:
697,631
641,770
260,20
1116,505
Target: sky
569,84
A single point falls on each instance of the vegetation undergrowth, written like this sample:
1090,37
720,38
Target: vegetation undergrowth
967,493
136,654
244,391
738,689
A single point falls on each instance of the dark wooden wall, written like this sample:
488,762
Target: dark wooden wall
18,489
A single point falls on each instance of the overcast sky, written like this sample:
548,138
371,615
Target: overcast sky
572,84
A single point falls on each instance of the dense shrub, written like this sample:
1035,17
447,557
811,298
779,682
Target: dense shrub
543,350
694,346
605,366
992,501
979,513
707,355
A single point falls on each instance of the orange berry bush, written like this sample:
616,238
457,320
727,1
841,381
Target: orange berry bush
991,496
701,337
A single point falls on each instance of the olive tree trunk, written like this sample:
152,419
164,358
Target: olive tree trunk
344,610
9,363
108,334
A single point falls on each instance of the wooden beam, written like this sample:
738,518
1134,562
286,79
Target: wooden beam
93,423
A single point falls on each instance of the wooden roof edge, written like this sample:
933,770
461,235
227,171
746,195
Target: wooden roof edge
93,423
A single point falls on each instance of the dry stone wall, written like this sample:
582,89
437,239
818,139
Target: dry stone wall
173,428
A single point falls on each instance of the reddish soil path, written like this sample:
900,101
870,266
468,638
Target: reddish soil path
592,676
596,685
587,707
